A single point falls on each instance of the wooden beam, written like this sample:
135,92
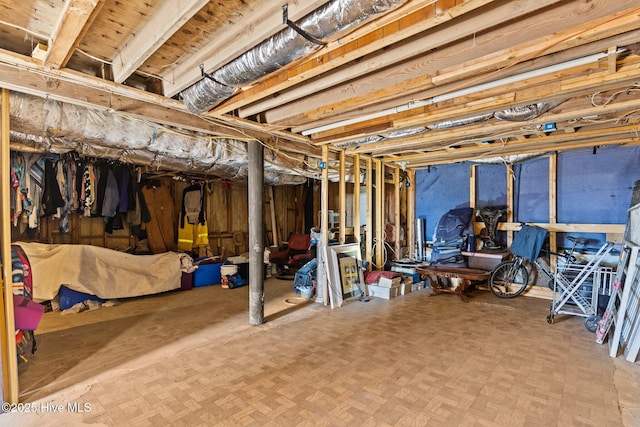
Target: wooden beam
496,50
7,323
420,56
166,19
558,85
556,142
264,20
486,129
72,23
340,53
546,88
76,88
566,227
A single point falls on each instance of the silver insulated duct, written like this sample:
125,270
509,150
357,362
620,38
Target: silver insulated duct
526,112
298,40
45,125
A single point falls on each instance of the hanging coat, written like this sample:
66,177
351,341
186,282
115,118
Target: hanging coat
160,227
193,230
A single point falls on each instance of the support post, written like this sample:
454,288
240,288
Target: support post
7,323
256,232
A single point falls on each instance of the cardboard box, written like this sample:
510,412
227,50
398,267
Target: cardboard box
382,291
387,283
485,260
405,288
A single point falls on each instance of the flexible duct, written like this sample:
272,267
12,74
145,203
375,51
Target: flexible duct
46,126
358,142
526,112
515,114
448,124
326,24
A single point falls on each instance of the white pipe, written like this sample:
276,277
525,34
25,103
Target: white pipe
463,92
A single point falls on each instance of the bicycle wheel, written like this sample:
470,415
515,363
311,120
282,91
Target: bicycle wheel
592,322
509,279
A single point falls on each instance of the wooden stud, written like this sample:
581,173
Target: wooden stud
7,323
324,225
356,198
553,204
473,184
379,215
342,197
411,212
510,201
274,223
396,213
369,224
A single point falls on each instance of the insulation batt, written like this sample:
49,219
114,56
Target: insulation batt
327,23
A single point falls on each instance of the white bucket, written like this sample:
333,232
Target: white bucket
228,269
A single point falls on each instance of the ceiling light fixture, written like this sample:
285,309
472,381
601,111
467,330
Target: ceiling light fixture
463,92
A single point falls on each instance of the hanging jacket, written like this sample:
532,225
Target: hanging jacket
51,197
193,230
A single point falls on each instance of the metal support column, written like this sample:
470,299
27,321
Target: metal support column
256,232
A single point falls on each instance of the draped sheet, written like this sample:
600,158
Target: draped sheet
100,271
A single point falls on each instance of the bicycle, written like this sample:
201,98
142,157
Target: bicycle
569,281
510,278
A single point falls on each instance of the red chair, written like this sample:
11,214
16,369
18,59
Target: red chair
297,254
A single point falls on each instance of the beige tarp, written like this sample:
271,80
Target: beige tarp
99,271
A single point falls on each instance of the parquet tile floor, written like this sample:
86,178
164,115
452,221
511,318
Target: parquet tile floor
192,359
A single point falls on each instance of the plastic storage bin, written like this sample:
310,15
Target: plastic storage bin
207,274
